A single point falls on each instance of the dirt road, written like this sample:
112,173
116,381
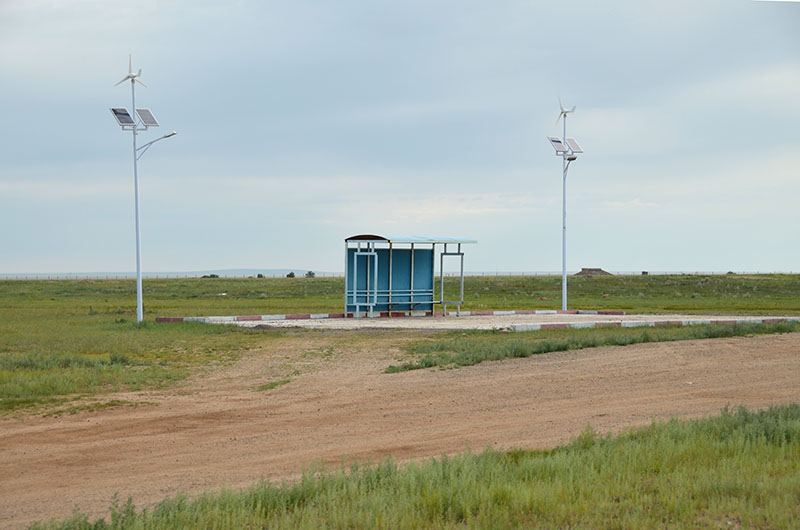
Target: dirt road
217,430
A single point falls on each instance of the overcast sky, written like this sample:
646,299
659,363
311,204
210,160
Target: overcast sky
304,122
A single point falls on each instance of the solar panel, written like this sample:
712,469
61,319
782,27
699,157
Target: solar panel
573,144
147,117
123,116
558,144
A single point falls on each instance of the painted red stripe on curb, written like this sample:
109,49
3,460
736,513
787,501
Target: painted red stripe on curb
773,320
396,314
554,326
723,322
608,324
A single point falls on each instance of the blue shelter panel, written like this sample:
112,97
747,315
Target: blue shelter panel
361,276
383,279
423,274
401,279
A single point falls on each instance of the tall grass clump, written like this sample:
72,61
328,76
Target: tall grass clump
467,349
740,469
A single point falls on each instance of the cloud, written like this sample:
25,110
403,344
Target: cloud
60,189
420,209
626,205
766,89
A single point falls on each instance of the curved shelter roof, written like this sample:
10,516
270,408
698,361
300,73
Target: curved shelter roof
411,239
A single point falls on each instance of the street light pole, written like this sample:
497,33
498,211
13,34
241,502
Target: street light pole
564,224
567,149
139,306
128,121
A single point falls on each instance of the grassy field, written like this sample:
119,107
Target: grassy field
763,294
738,470
61,340
473,347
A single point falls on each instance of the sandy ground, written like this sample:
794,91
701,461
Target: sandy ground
216,430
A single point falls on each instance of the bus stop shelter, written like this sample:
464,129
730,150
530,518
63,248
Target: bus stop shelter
398,273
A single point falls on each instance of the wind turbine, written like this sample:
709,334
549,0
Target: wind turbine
562,114
128,121
133,77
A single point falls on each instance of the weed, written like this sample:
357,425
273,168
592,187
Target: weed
272,385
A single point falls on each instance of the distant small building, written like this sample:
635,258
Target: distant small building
593,272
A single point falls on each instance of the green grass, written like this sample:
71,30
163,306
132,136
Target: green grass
65,340
80,331
470,348
765,293
730,294
51,359
272,385
740,469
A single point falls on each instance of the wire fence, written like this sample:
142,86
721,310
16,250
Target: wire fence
301,275
160,276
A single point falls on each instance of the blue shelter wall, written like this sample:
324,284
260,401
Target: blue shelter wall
401,279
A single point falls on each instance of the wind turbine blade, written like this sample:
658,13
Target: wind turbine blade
560,104
122,80
136,80
572,109
140,73
130,64
559,118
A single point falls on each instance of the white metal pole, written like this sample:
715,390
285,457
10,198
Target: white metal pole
564,225
139,310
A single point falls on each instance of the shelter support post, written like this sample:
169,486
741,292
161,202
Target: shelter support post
442,299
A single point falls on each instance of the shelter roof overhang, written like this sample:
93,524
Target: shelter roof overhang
412,239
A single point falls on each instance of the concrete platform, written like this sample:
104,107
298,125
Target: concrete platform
506,322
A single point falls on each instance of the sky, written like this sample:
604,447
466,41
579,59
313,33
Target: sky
301,123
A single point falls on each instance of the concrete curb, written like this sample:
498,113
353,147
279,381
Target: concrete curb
650,323
382,314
